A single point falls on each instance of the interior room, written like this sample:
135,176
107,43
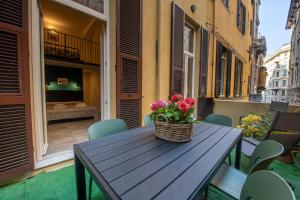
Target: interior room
71,45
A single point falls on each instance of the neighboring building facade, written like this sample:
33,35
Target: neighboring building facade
258,51
149,50
294,77
277,66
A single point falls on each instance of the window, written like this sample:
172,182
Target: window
284,72
241,17
226,3
277,74
238,77
223,71
189,60
283,83
276,83
283,93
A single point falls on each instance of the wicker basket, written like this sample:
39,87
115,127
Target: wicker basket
173,132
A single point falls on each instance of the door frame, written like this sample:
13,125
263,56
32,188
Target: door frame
41,161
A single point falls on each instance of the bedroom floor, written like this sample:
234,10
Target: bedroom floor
62,136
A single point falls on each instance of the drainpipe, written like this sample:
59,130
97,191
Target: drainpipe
213,48
158,47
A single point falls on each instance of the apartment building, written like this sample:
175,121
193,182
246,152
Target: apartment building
90,60
294,77
277,65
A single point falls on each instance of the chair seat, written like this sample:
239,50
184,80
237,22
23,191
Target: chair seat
229,180
247,148
251,140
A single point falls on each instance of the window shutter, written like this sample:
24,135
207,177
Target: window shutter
236,75
228,77
15,125
129,54
243,19
177,58
203,62
218,69
238,13
241,78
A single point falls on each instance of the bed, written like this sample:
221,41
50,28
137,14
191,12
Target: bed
70,111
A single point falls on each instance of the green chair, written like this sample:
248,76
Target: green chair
218,119
104,128
148,121
266,185
230,180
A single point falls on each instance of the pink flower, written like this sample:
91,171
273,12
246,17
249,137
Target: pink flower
184,106
158,104
176,97
190,101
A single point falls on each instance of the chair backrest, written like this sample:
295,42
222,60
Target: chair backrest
279,106
264,154
286,122
106,127
266,185
147,120
219,119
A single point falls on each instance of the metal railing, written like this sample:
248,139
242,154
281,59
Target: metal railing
59,45
93,4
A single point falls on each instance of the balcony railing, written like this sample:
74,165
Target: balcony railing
71,48
96,5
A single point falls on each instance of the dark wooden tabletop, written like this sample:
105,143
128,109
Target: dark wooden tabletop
136,165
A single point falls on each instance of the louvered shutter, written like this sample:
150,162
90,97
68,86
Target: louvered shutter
218,75
236,75
177,58
203,62
241,78
238,13
16,150
228,75
129,53
243,18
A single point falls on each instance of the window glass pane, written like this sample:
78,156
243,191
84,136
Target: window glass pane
188,39
190,77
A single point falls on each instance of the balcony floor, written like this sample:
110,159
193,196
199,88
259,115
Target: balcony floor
60,184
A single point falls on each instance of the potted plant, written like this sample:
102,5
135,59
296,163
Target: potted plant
174,118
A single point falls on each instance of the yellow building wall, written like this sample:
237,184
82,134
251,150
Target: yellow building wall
157,28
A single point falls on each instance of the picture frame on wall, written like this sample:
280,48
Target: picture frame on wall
62,81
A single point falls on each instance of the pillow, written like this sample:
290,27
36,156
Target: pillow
80,105
59,106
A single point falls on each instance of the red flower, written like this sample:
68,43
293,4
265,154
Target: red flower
176,97
184,106
190,101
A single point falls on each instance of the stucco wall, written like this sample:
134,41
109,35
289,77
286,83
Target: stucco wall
157,28
235,109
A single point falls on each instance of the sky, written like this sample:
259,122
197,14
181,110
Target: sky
273,17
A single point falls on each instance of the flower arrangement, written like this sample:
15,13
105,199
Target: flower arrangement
250,125
178,110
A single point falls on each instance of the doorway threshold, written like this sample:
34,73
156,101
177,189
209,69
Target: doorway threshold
53,159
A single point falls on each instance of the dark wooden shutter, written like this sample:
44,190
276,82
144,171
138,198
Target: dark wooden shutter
16,149
129,54
236,71
218,69
228,76
241,78
243,8
177,58
238,13
203,62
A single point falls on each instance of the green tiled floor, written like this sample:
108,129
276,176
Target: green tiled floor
60,184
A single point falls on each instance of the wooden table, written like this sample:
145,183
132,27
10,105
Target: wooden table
136,165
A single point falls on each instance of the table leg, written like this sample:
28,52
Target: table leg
80,179
238,154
